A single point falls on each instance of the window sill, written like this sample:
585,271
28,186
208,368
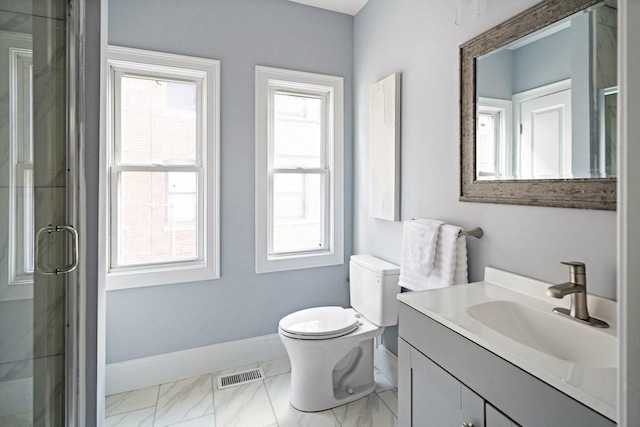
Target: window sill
298,262
129,279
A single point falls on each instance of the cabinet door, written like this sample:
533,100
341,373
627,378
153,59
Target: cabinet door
438,399
404,384
495,418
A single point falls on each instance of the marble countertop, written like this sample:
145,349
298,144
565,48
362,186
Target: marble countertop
595,387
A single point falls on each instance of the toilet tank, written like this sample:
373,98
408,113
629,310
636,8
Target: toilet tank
373,289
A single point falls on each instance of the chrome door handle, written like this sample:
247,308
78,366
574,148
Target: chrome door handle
74,250
467,424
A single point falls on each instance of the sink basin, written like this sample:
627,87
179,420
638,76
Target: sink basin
549,333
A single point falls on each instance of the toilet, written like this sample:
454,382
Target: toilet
331,348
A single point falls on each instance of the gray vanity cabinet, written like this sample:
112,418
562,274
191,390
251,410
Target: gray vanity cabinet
446,380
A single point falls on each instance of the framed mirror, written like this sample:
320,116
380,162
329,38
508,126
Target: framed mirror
538,108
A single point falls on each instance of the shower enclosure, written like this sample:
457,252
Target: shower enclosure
39,296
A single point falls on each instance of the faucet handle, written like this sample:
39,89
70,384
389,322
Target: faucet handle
577,272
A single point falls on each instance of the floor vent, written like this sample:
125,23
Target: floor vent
231,380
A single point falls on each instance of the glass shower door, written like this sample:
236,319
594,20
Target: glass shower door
36,240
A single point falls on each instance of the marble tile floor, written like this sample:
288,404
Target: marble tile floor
197,402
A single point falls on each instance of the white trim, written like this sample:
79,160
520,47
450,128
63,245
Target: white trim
387,363
602,117
545,90
266,79
169,367
504,154
204,72
102,238
628,208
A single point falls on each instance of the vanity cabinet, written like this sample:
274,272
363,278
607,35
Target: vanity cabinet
445,379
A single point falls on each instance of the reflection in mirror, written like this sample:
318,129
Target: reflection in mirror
546,102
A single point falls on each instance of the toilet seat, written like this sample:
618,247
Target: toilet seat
319,323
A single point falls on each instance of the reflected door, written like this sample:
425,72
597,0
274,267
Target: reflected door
545,137
35,179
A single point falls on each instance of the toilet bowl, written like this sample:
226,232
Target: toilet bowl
331,348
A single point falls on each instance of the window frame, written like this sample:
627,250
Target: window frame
270,81
205,74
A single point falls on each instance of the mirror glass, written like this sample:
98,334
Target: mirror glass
546,102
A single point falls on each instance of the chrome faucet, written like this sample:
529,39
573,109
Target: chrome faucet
577,288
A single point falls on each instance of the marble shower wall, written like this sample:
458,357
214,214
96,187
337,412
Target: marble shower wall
606,71
606,39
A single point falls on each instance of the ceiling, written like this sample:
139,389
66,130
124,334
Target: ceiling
350,7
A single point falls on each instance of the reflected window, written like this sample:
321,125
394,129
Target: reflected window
21,191
494,139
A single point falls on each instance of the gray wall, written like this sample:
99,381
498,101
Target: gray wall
94,311
420,40
494,74
542,62
241,34
507,72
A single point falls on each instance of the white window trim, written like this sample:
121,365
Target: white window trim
208,72
267,78
504,148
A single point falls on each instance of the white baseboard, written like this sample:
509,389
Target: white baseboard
387,363
16,396
169,367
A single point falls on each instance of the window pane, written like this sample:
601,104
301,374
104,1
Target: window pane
182,192
297,131
298,201
158,121
158,217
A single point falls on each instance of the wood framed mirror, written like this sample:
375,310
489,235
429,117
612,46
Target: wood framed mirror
545,78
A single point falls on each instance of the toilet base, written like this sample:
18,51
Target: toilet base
341,398
332,372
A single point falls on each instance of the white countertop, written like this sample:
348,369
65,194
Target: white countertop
595,387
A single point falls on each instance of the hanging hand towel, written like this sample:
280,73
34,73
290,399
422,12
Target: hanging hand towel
419,239
449,266
451,256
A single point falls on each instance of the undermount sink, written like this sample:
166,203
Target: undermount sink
549,333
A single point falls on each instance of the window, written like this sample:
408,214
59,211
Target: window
494,139
299,170
163,168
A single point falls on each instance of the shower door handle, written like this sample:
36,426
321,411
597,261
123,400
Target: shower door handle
48,271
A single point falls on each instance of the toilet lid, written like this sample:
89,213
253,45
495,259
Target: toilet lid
320,322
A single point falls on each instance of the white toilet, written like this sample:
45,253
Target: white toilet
331,348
